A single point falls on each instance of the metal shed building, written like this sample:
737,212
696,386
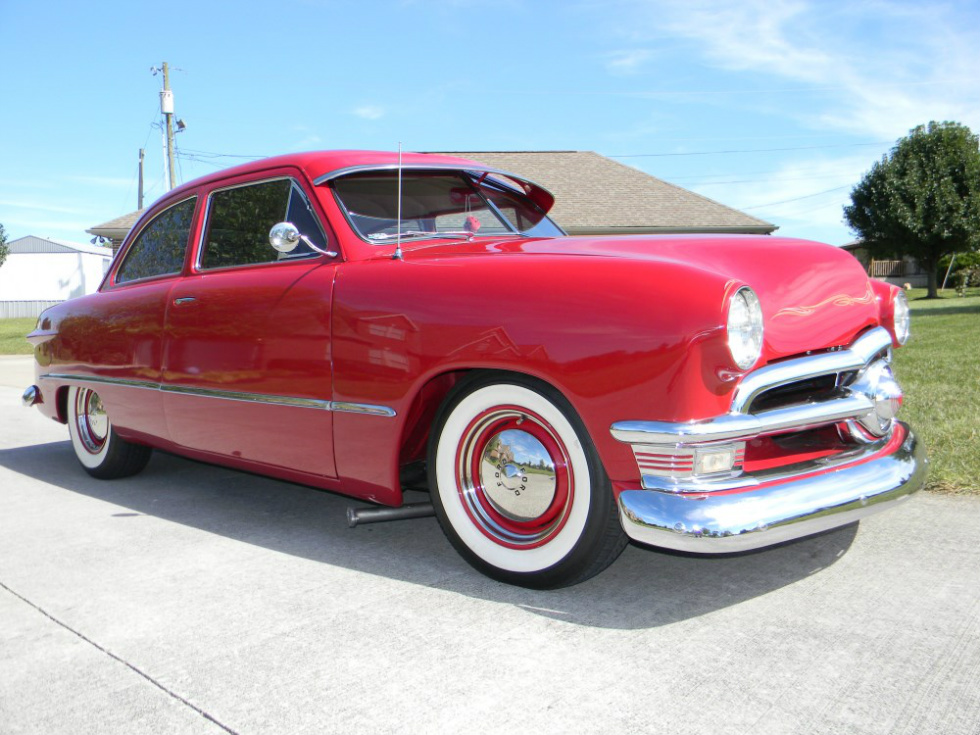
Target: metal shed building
39,272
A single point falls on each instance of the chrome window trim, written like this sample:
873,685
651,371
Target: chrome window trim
206,220
368,409
377,167
492,206
464,175
470,174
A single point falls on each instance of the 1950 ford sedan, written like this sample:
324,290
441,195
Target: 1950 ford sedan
347,321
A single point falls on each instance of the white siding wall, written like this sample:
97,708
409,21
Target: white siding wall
50,276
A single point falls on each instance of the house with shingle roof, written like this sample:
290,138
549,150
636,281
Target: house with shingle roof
115,230
594,195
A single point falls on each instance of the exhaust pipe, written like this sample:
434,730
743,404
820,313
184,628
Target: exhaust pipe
376,515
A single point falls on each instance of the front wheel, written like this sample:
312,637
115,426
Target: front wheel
99,449
518,487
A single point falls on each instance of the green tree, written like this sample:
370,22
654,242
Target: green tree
922,199
3,245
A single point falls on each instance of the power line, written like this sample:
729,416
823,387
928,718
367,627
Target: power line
749,150
212,154
797,199
808,210
803,173
756,181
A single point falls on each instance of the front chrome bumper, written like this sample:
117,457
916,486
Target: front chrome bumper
780,510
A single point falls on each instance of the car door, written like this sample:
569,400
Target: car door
247,364
115,338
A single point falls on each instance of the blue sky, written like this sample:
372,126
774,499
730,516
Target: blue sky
776,107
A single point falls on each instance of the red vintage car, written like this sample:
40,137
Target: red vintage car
356,321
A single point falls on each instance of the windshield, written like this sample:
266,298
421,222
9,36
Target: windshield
437,203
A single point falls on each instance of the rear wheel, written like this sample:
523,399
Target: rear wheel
518,486
99,449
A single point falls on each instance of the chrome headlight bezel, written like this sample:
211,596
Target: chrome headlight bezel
745,328
901,318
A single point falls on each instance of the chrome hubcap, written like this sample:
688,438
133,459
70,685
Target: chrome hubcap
91,420
518,475
514,477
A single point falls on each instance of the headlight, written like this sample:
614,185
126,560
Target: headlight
900,317
745,328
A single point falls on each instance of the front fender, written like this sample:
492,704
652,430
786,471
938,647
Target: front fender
616,337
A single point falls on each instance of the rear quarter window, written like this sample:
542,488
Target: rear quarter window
160,248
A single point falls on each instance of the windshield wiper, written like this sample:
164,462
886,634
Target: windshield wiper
446,234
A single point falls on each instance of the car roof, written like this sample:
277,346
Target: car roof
319,165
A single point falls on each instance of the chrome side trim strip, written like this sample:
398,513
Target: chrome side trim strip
369,409
782,373
103,381
743,426
228,395
715,524
366,408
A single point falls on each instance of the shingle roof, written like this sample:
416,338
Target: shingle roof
596,194
116,227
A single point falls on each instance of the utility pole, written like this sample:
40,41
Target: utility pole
142,155
167,108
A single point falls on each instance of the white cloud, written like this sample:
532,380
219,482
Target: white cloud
63,229
873,68
115,182
308,142
805,197
42,206
369,112
627,61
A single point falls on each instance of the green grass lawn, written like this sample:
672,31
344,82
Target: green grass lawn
12,333
939,370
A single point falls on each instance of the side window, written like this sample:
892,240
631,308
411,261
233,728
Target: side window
239,221
159,249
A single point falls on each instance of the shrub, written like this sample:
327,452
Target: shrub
963,262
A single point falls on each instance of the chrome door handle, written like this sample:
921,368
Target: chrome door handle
184,300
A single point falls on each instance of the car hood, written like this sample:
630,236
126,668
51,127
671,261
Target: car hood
813,295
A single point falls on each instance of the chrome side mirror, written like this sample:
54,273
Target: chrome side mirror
285,236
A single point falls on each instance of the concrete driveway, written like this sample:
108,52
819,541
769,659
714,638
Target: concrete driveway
195,599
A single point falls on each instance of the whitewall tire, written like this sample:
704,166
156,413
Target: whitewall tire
518,486
97,446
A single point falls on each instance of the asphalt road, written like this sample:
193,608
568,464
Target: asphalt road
195,599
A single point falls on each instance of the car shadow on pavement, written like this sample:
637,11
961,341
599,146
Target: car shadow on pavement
644,588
